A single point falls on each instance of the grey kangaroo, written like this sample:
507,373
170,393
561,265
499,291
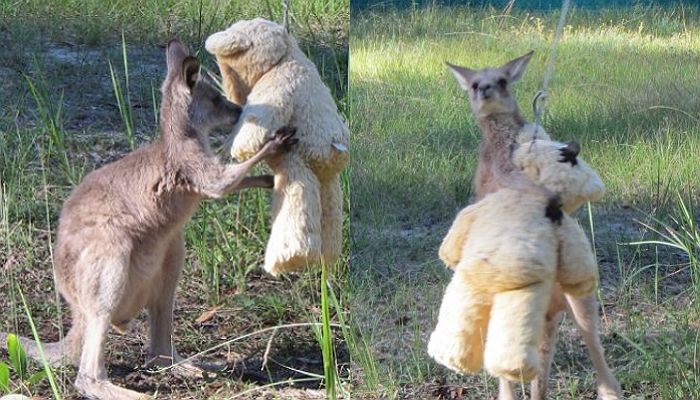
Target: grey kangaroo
120,243
500,120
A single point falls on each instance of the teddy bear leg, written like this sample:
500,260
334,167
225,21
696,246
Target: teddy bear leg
515,331
577,271
458,339
331,219
295,237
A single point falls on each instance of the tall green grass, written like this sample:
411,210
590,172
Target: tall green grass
680,232
123,101
55,138
625,86
47,372
85,21
327,343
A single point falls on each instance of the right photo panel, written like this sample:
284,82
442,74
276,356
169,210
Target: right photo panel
525,210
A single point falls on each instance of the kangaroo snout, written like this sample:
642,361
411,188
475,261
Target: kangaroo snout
486,91
232,109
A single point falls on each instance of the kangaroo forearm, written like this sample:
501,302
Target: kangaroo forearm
231,177
224,182
260,181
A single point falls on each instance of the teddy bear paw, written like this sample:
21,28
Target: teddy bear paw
515,369
454,353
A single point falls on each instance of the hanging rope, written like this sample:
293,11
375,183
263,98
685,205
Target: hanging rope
285,23
538,102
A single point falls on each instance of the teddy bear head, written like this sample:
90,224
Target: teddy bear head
247,50
558,167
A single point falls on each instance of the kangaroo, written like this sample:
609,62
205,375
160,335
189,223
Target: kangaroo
500,120
120,241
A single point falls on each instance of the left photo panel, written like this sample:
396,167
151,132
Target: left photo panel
174,200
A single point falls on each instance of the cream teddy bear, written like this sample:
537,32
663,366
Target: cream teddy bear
507,256
264,71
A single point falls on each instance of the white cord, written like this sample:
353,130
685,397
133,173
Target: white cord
540,98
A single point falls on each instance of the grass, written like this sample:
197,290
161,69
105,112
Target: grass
79,88
625,86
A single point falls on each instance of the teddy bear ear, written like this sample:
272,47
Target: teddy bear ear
570,152
227,43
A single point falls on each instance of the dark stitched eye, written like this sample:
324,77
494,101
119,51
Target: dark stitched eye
502,82
475,86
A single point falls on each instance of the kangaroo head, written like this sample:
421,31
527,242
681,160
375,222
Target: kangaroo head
490,88
189,92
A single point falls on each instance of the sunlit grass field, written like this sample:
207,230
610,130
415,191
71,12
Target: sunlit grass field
626,85
79,86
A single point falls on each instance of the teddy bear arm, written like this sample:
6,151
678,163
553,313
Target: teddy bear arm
263,115
451,248
577,271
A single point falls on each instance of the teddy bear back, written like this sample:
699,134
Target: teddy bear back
530,132
510,242
322,131
294,91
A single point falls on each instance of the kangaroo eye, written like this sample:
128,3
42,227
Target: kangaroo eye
475,86
502,82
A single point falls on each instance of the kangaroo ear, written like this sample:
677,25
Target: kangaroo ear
514,69
227,43
175,53
464,75
190,70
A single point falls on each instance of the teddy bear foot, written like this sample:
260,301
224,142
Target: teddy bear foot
526,374
455,354
291,263
523,370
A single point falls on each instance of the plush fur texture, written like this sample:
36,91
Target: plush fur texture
507,256
265,71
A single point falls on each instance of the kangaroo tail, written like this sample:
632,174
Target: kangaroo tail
55,353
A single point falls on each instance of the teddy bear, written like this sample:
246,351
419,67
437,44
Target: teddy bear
506,256
264,70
